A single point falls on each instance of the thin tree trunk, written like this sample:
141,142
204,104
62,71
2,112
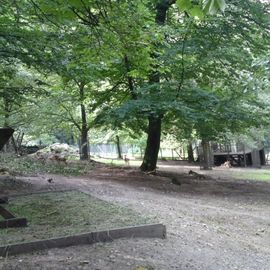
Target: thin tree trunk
190,153
245,158
6,112
20,139
160,150
15,147
84,127
17,143
118,147
7,108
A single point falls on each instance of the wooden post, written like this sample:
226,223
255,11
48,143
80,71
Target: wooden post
10,220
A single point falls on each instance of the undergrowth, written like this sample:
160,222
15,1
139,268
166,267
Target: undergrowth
30,166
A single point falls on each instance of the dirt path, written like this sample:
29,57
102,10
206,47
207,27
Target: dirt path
212,223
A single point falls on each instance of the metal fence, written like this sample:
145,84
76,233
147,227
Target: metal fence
110,151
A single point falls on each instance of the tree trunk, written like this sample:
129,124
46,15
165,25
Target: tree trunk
190,153
152,145
14,144
72,140
84,127
17,143
7,109
118,147
84,145
245,158
206,161
154,121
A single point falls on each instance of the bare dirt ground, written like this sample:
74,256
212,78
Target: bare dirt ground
213,223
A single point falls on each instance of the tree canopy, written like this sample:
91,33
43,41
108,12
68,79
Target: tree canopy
194,68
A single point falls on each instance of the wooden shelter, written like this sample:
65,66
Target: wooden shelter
5,134
238,154
9,219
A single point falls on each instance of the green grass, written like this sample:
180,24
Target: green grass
255,175
118,162
65,213
26,166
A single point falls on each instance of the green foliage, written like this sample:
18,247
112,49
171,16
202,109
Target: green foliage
202,8
213,72
213,6
184,5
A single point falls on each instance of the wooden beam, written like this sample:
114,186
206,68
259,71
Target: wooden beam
3,199
5,213
13,223
143,231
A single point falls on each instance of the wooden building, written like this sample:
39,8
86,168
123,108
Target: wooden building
238,154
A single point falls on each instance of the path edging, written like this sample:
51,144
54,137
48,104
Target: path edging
142,231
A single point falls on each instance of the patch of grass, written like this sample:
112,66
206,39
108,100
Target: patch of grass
26,165
65,213
117,162
257,175
144,268
111,161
